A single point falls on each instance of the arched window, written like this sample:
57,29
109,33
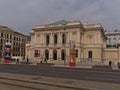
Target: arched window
63,38
63,54
54,54
47,54
1,34
55,39
90,55
47,40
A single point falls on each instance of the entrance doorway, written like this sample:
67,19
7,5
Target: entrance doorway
90,55
47,54
54,54
63,54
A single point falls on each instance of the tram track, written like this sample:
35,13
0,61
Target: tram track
36,85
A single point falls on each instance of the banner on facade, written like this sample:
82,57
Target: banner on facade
37,53
7,53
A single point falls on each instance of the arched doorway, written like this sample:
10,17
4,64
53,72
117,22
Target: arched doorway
54,54
47,54
63,54
90,55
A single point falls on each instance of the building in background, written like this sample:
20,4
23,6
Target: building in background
112,38
19,42
28,38
16,39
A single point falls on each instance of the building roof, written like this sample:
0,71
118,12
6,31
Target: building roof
62,22
112,32
1,26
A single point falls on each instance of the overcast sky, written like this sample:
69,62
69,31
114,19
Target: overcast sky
23,15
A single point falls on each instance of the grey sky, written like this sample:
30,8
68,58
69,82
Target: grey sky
23,15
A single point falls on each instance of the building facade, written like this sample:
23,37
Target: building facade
16,39
52,41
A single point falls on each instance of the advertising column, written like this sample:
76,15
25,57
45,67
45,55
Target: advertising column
72,54
7,53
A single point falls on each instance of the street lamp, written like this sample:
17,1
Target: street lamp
64,47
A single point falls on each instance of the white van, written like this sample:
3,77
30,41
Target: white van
15,58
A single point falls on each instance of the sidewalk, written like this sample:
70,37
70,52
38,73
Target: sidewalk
77,66
63,81
86,67
114,67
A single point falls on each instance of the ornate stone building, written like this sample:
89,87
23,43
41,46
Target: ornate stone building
53,42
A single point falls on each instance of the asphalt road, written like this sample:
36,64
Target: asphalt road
108,76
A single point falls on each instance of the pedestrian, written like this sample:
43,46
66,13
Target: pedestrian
17,61
27,60
41,61
45,60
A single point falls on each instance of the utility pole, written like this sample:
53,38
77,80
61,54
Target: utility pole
64,47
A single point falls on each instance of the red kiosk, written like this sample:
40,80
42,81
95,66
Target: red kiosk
72,54
73,58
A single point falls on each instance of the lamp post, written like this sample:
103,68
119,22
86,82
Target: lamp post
64,47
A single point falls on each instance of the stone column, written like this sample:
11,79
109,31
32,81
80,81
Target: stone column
119,51
51,39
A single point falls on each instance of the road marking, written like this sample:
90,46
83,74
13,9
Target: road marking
51,74
99,78
90,70
108,76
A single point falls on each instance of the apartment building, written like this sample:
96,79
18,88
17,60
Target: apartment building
16,39
112,38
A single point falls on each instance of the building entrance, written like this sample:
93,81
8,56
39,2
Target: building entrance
47,54
90,55
55,55
63,54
